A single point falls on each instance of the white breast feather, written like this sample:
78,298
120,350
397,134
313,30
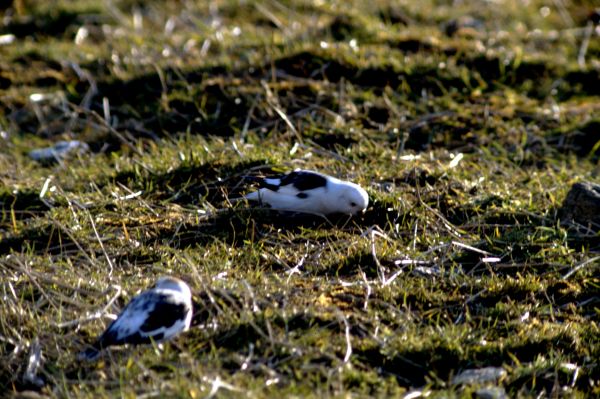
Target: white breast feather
286,199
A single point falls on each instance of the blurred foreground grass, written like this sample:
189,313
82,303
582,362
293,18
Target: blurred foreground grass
467,122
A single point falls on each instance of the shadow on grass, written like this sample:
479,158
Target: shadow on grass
216,100
438,360
20,205
442,360
55,22
257,333
351,266
44,239
244,226
214,182
582,140
316,64
240,227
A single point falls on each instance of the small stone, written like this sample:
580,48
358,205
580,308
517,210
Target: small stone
491,393
58,152
427,271
582,205
463,26
479,376
395,15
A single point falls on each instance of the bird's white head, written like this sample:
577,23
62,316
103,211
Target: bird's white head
172,283
353,198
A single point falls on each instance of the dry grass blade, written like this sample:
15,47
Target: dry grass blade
580,266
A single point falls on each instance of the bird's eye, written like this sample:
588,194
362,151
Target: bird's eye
353,204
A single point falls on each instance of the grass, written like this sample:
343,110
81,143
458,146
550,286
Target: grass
467,138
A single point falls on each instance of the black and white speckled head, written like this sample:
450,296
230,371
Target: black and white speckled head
172,283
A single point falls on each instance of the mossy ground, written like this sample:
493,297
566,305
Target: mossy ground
467,134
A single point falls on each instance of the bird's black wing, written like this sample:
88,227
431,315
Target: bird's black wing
162,311
166,312
304,180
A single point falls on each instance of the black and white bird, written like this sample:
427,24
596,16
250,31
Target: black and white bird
155,315
310,192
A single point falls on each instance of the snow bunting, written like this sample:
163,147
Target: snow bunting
59,151
157,314
310,192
